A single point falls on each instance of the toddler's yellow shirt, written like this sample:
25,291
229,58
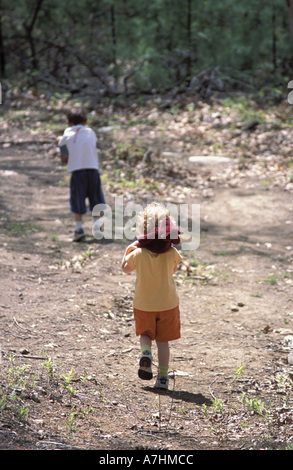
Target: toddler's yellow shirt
155,288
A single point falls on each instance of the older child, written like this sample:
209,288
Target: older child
156,302
78,147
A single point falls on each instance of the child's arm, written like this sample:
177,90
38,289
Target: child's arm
175,269
63,151
125,267
178,261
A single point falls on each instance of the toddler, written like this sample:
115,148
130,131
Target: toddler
156,302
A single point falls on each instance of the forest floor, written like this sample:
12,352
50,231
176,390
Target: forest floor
69,351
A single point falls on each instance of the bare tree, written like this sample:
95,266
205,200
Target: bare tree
29,32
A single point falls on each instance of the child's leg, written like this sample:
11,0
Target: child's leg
77,202
78,221
145,343
78,231
97,203
163,358
145,362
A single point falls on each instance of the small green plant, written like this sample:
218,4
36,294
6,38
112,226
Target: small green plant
205,409
70,421
16,379
23,413
218,405
15,383
238,372
49,366
21,228
68,386
254,404
88,253
273,280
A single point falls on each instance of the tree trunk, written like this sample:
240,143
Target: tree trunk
29,31
189,45
274,40
2,53
290,15
114,43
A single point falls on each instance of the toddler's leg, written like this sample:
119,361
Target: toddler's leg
163,354
163,357
145,362
145,342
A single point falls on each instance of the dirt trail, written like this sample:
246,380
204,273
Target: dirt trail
71,303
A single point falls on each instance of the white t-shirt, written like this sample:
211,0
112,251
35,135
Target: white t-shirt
81,142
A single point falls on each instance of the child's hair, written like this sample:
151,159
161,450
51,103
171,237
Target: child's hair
76,116
151,217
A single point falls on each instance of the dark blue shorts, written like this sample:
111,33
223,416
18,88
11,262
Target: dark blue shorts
85,184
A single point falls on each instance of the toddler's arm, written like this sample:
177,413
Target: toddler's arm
125,267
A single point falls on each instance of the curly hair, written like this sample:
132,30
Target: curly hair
151,217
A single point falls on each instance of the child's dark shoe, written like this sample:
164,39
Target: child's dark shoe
78,235
145,366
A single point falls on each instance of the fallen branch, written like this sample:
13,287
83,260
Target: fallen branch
27,356
15,321
210,387
27,142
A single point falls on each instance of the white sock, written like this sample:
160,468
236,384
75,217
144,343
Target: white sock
78,225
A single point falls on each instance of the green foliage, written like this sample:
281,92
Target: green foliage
15,384
124,44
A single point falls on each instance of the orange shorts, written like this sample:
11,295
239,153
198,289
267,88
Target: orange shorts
162,326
